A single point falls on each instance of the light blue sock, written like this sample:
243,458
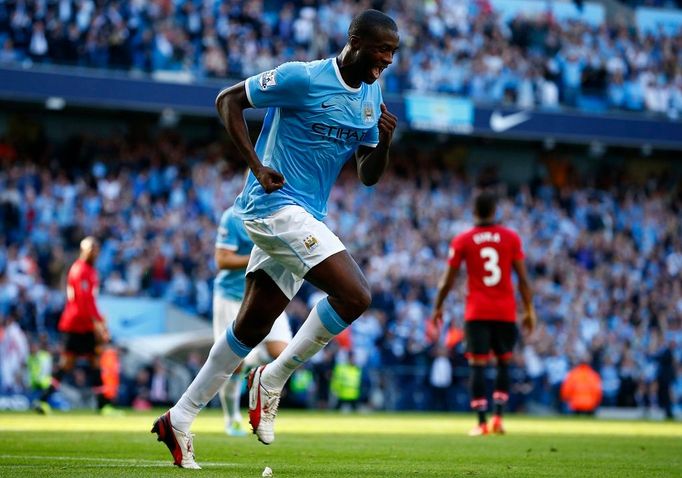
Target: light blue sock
320,327
226,354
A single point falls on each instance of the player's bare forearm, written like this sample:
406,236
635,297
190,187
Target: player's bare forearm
228,260
445,284
524,285
231,104
526,295
440,298
372,162
529,318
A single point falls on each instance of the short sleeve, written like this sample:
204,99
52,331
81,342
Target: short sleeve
285,86
517,252
372,137
227,237
455,253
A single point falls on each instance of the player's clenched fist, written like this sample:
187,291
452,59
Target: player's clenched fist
270,179
387,123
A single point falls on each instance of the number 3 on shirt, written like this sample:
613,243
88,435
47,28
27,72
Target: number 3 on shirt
492,259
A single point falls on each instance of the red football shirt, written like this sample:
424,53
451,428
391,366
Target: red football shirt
488,252
81,310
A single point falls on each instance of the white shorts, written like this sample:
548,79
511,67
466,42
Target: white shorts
225,312
288,244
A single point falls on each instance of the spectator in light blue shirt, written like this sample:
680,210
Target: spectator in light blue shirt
616,91
634,95
571,66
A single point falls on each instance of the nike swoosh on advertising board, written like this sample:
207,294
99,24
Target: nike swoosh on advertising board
500,123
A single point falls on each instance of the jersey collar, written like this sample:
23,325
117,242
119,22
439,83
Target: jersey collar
340,78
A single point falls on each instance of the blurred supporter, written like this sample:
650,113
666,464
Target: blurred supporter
582,389
665,376
14,350
606,263
527,61
8,55
346,382
158,388
39,365
116,284
140,391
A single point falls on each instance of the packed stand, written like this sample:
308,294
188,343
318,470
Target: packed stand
605,262
454,46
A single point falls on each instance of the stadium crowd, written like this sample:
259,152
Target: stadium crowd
605,260
527,62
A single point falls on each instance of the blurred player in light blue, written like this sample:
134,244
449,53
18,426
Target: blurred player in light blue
320,115
232,250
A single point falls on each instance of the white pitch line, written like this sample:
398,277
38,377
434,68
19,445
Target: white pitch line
112,461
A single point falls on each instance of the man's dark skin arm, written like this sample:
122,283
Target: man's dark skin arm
231,104
447,280
529,319
372,162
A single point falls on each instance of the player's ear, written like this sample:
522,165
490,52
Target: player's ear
355,42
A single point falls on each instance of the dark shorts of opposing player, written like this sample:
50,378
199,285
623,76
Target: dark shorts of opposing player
486,338
80,344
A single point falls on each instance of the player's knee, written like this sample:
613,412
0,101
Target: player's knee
359,301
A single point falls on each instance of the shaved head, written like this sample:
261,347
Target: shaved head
89,249
367,22
88,244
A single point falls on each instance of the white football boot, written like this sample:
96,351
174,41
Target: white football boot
263,405
179,443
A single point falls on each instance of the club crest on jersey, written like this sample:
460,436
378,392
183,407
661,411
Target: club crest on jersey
267,79
310,243
367,112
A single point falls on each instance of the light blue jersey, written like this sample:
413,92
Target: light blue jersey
314,124
232,236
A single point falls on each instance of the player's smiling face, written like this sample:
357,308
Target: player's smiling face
374,53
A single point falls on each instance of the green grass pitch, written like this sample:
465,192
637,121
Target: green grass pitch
315,444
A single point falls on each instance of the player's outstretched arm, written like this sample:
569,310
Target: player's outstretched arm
529,318
372,162
231,103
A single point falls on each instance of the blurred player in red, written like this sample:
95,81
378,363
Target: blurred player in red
490,252
83,327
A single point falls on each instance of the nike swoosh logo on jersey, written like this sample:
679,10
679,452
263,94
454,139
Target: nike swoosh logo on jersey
326,106
500,123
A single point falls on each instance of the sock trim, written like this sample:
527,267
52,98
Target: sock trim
235,344
500,397
329,318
